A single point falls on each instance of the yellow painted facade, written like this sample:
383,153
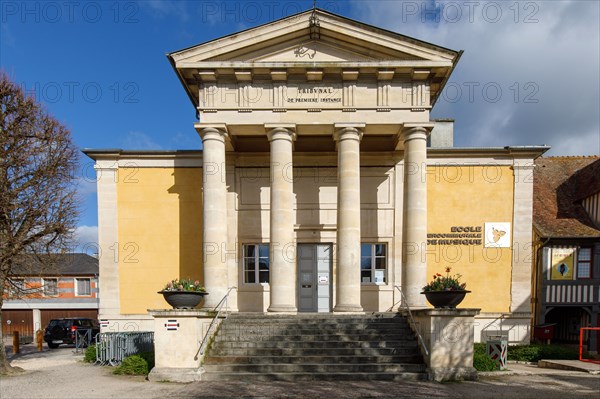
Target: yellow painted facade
160,215
470,196
159,225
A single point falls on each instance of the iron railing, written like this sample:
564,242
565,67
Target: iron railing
213,324
411,320
113,347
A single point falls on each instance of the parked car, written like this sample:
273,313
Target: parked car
64,331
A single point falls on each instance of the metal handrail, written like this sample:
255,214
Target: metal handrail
213,323
412,322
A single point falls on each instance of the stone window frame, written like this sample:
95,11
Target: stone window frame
257,261
373,257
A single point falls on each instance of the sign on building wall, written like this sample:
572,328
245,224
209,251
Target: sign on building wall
497,234
562,263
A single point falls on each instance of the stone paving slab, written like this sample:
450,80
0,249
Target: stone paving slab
58,373
573,365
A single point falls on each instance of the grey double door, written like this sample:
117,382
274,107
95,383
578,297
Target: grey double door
314,277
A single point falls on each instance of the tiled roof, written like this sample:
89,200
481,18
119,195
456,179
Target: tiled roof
71,264
559,184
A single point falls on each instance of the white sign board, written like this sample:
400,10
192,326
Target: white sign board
497,234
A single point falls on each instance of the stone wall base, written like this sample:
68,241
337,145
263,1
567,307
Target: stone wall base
449,337
441,374
172,374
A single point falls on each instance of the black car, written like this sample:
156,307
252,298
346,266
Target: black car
64,331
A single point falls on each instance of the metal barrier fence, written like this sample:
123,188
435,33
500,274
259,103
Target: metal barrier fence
83,338
113,347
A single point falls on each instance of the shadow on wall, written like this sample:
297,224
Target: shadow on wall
188,187
581,184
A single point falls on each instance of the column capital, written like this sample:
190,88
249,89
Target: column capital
212,131
411,131
279,131
345,131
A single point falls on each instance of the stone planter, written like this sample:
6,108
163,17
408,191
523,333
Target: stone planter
183,299
445,299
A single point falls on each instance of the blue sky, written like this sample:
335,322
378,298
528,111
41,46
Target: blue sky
529,74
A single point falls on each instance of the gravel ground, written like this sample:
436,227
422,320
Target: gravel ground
61,373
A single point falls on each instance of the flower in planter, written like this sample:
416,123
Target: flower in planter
445,283
184,285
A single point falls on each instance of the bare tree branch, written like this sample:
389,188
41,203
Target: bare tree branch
38,201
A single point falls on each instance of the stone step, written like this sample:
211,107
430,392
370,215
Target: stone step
321,323
291,377
312,347
290,330
314,344
408,351
316,316
317,368
363,336
299,359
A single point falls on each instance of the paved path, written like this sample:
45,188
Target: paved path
60,374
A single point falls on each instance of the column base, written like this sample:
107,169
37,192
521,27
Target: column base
282,309
348,308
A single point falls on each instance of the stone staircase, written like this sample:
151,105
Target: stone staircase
316,346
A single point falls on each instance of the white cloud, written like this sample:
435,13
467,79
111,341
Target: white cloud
544,51
163,8
86,185
180,141
139,141
85,239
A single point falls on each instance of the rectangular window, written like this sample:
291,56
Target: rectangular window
50,286
83,287
16,287
584,263
256,263
373,263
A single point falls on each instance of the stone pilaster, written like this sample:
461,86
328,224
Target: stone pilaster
414,237
108,237
522,234
214,212
282,249
348,287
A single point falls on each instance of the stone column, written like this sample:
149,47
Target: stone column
282,276
348,286
414,237
214,213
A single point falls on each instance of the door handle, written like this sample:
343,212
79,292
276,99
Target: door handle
306,286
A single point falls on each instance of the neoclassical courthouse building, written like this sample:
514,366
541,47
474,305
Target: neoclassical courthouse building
323,185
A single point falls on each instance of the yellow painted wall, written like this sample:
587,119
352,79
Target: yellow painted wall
160,232
472,196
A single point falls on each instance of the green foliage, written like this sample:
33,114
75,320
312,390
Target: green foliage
90,354
535,352
445,283
185,284
481,361
136,365
149,357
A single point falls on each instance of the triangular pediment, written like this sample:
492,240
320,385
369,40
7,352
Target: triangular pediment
312,46
331,38
315,51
